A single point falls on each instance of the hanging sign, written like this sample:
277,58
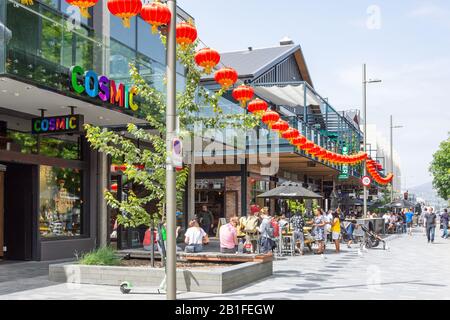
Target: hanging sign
344,171
55,125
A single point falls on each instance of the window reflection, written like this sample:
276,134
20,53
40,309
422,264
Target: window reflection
60,203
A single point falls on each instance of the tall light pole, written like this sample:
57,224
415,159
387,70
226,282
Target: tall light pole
365,82
392,155
171,201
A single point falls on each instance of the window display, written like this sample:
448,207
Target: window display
60,203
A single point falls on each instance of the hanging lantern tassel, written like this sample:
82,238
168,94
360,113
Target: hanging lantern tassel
27,2
83,5
125,9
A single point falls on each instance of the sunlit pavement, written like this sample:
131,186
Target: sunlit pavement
410,269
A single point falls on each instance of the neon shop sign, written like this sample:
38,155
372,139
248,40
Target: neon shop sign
103,88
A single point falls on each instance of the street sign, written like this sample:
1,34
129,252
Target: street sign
177,153
344,171
366,181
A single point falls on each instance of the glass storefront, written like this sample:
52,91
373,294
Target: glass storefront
60,202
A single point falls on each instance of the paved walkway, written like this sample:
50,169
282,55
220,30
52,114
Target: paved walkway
410,269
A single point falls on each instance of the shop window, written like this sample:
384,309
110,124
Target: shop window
127,36
60,202
59,148
150,44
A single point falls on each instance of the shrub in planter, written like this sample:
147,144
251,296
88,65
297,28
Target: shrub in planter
105,256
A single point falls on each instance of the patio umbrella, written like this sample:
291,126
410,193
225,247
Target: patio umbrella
290,190
400,204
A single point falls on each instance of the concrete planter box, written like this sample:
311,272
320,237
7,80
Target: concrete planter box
215,280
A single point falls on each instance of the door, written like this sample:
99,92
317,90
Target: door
18,211
2,203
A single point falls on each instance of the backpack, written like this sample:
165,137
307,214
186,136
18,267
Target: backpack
276,228
270,230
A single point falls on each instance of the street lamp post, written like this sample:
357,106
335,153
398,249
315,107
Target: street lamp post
392,155
170,170
365,82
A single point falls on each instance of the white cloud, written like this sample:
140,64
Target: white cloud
428,10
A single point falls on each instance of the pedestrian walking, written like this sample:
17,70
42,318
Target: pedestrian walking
409,221
444,223
350,229
430,225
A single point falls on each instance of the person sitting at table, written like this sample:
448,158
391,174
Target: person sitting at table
195,237
228,236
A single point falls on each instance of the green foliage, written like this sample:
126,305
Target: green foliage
296,206
440,169
101,257
153,107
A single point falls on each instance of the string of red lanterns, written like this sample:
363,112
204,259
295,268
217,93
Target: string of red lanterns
373,167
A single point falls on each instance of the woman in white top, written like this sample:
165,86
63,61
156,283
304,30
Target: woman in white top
195,237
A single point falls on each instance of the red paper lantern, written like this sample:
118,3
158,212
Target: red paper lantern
308,145
257,106
280,126
83,5
125,9
207,58
270,117
290,134
226,77
299,141
156,14
243,94
186,34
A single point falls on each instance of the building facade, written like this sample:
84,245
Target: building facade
280,76
59,70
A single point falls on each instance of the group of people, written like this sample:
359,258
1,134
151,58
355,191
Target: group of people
400,222
429,220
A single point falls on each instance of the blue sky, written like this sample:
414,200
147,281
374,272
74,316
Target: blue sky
406,43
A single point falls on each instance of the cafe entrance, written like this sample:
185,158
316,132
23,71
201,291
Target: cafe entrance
17,204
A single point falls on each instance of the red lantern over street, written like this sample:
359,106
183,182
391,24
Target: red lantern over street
186,34
257,106
125,9
308,145
243,94
299,141
290,134
84,5
280,126
156,14
207,58
270,117
226,77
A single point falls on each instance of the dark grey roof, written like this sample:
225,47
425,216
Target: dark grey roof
248,63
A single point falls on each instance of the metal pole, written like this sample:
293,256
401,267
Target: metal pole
170,171
392,159
365,134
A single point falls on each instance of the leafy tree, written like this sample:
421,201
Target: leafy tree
440,169
150,192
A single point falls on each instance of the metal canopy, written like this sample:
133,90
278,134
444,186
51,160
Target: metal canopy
290,190
291,96
401,204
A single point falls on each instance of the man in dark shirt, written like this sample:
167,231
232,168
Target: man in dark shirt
206,219
430,225
444,221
